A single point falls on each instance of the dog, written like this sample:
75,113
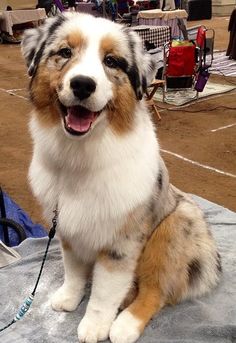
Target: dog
96,158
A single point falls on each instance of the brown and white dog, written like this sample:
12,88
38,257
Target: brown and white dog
96,156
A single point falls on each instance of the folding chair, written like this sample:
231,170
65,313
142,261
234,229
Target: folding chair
186,65
180,67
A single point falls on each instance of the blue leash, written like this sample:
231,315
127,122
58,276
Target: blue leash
28,302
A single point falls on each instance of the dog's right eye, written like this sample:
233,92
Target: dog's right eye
110,62
65,53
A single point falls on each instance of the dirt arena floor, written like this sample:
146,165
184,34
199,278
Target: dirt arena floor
200,161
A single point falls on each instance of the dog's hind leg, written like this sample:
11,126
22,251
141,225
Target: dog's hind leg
179,261
131,322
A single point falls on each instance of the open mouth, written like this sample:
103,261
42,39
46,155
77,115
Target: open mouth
78,119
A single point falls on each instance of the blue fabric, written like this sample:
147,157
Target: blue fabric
14,212
177,3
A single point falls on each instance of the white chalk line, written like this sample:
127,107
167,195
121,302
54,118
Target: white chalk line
223,127
11,92
3,90
198,164
18,96
15,89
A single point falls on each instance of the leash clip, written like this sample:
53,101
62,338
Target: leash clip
54,223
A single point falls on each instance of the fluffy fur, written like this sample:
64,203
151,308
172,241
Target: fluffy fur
144,243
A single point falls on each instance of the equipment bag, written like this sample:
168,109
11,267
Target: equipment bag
202,79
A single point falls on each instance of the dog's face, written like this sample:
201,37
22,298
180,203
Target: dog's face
85,71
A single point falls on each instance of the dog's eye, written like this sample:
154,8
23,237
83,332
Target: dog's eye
65,53
110,62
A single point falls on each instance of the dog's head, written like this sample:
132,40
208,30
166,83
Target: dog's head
84,71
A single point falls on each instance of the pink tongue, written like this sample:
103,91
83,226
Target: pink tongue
79,118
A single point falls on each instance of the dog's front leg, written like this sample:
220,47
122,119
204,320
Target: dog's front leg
112,279
69,295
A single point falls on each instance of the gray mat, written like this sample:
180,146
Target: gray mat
222,65
209,319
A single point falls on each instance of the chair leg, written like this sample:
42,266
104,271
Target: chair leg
151,104
157,112
154,89
149,96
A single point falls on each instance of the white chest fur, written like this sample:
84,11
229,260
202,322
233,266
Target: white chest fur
96,182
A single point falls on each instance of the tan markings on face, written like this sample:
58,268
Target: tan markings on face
44,93
44,89
121,109
44,96
76,40
109,46
48,80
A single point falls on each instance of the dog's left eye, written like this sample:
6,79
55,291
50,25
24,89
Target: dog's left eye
110,62
65,53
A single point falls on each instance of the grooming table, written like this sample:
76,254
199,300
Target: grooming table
158,17
209,319
10,18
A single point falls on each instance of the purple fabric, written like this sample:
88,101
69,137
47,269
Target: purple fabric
59,5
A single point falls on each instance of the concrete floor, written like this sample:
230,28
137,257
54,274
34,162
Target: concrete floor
183,133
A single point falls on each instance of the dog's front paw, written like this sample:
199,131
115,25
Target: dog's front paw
65,300
125,329
93,329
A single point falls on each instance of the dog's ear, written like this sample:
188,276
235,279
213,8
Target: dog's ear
143,67
29,47
149,68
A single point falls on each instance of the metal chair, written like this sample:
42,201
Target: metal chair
180,68
186,62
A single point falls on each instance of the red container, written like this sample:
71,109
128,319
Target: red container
181,61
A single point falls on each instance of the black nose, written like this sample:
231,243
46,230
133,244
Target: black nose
82,86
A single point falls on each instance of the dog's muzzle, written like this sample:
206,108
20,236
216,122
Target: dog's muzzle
78,119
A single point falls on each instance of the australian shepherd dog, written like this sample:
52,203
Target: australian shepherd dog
144,243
